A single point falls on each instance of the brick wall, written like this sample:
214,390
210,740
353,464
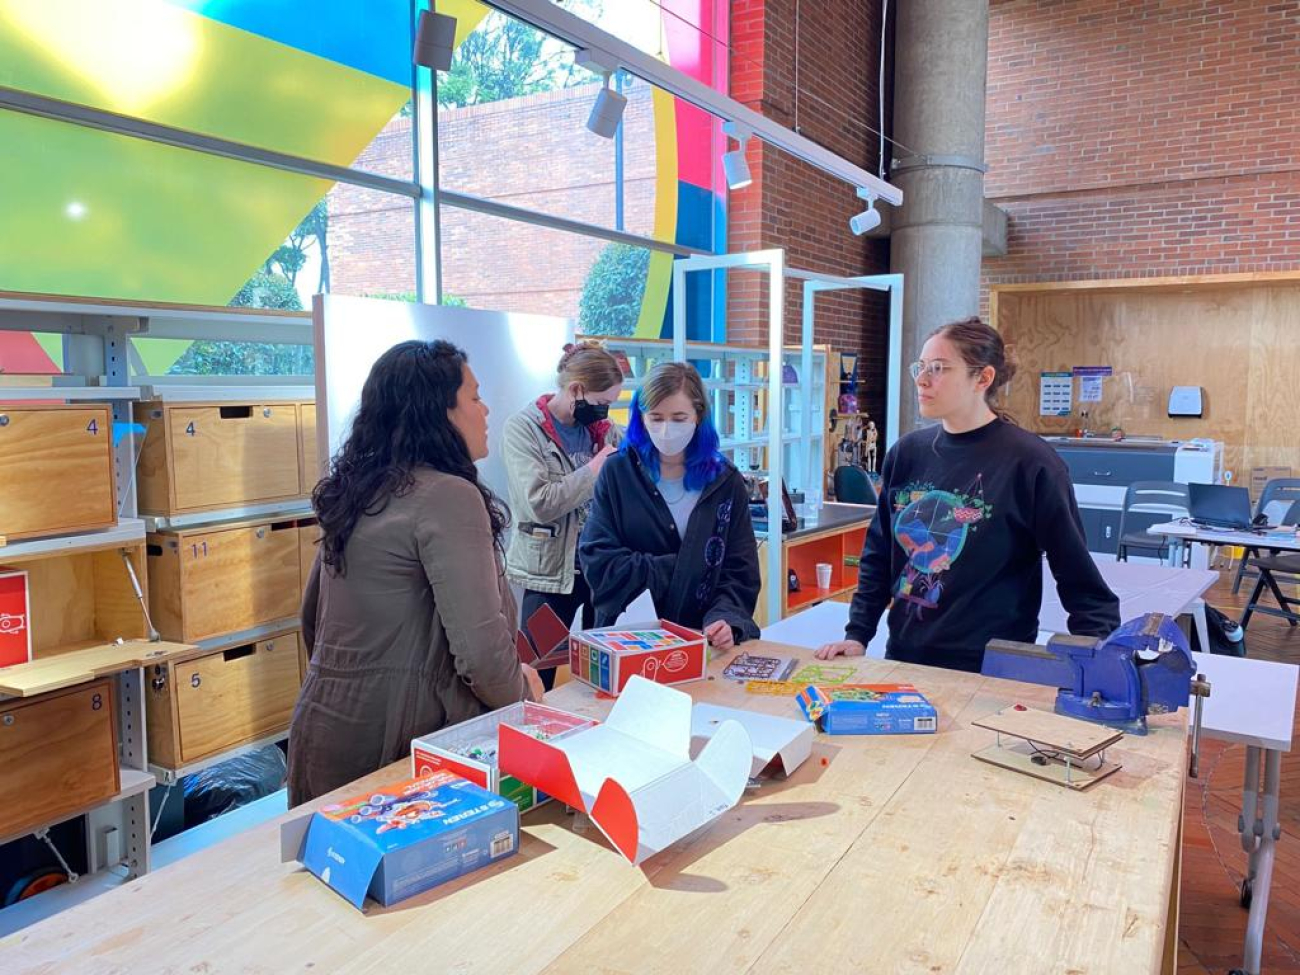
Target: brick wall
1133,139
829,95
533,152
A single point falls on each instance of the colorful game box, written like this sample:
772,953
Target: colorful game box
412,836
469,749
15,619
869,709
660,651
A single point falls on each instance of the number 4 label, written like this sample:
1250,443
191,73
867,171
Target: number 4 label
189,430
93,428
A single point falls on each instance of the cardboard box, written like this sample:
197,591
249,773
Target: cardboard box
469,749
869,709
412,836
1260,476
15,619
780,744
607,658
633,775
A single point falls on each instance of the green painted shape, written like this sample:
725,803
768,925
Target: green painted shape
170,65
52,344
159,355
159,223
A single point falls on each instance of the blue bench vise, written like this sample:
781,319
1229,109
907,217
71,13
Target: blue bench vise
1144,667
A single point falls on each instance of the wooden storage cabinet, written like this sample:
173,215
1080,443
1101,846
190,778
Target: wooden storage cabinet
59,755
204,456
209,702
214,580
56,470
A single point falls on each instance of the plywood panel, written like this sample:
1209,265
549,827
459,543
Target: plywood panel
61,613
238,695
59,753
56,470
1242,345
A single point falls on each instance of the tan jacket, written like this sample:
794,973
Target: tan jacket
418,635
545,493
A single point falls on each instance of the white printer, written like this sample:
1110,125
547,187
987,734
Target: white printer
1199,462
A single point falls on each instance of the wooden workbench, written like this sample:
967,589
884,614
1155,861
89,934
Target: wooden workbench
899,854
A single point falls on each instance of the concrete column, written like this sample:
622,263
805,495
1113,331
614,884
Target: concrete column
940,74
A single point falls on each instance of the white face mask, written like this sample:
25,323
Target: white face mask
670,436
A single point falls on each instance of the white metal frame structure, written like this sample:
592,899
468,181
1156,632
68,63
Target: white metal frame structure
773,261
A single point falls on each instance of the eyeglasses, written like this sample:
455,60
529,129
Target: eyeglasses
931,370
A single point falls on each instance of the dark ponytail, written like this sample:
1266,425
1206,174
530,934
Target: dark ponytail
981,346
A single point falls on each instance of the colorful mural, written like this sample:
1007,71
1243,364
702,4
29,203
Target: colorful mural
109,216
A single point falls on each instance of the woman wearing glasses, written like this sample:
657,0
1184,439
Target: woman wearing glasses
671,515
966,510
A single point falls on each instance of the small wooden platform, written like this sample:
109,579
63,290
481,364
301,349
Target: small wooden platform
1059,749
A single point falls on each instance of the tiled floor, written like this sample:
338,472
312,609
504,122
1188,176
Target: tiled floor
1212,926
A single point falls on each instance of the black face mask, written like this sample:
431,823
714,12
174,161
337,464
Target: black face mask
588,413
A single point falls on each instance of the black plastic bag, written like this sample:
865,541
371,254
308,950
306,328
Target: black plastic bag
233,783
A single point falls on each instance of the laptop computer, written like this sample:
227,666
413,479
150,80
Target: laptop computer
1219,506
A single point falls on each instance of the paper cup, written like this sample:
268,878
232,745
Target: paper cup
823,575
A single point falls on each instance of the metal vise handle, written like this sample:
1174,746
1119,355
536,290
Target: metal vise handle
1200,691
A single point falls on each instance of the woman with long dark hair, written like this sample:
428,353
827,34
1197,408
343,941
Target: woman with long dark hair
671,515
407,617
966,511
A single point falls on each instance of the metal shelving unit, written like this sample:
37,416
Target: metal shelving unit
100,365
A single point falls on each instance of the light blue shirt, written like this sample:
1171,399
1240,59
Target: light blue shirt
680,501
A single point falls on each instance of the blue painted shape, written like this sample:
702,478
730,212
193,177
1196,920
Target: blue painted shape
374,36
120,430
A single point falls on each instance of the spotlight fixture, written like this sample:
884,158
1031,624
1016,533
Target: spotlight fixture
868,219
435,37
607,112
734,165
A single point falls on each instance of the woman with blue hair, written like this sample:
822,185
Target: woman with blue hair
671,515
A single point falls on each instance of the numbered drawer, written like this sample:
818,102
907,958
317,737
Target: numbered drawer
56,470
216,701
207,456
205,583
59,755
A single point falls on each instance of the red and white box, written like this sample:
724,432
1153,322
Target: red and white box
633,774
663,652
15,618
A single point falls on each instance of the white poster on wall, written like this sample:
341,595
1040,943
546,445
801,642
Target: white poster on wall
1055,390
513,355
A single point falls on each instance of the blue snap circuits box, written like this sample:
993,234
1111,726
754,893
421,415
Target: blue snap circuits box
869,709
414,835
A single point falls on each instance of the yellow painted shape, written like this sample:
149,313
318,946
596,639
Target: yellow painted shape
660,274
166,64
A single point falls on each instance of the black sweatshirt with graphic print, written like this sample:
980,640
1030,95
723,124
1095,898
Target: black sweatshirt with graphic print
960,528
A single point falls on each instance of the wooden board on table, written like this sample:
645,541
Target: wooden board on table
1072,736
1023,757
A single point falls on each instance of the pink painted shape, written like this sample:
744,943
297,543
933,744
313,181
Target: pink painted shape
21,353
692,52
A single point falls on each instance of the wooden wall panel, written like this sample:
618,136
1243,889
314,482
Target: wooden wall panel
1241,344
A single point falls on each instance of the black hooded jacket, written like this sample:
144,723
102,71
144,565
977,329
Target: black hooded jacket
630,544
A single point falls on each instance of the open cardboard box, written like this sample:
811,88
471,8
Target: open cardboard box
470,748
779,744
633,775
